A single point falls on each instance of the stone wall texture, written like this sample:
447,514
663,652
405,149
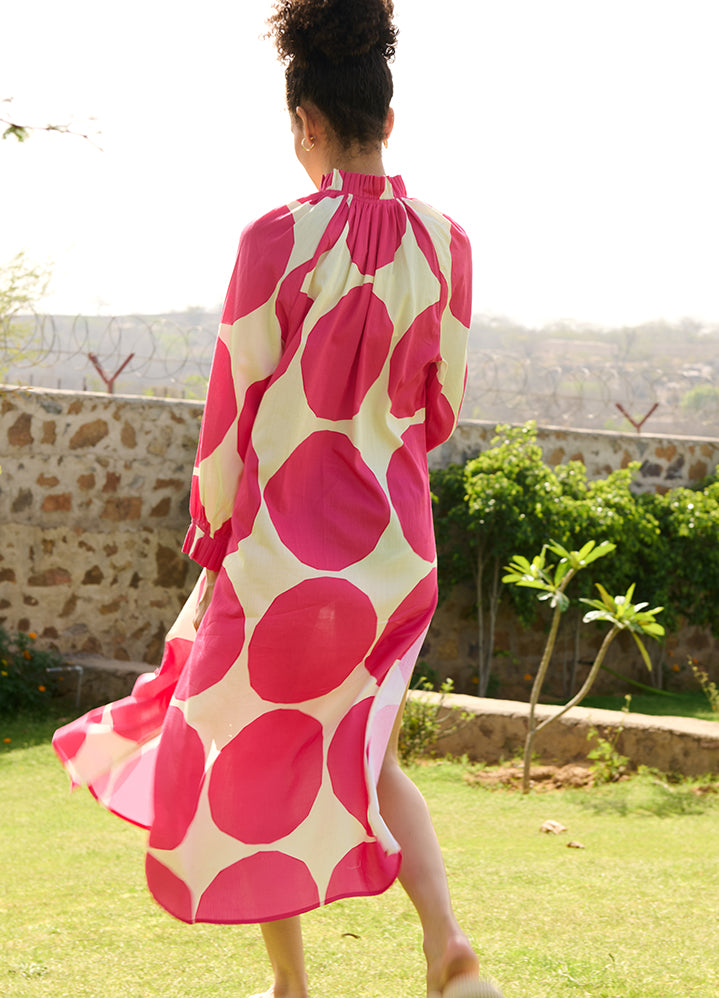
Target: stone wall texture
666,462
493,731
94,494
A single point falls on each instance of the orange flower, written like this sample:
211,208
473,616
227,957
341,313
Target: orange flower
528,677
7,740
32,635
42,689
675,668
26,654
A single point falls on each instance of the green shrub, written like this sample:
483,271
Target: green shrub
422,720
509,499
25,683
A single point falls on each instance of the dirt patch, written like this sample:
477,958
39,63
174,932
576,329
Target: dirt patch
703,789
541,777
544,778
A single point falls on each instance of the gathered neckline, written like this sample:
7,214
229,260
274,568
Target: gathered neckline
367,185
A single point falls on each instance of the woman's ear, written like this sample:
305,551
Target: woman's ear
310,124
388,126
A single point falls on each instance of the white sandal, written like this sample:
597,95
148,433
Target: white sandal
467,986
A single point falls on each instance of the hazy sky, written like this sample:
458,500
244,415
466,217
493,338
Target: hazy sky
575,140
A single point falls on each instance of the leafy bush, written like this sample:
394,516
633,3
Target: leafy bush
509,499
709,689
608,764
25,683
422,720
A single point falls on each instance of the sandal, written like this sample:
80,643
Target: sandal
467,986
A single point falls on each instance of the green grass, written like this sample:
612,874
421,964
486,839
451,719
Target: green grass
632,915
693,704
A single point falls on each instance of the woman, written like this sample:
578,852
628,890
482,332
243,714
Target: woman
262,755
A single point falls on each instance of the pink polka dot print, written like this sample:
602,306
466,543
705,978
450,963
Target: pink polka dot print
410,499
346,761
168,889
410,618
264,250
181,761
253,889
252,753
347,525
343,357
310,639
362,865
215,427
218,643
254,792
412,360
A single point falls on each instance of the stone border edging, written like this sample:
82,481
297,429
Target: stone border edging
497,730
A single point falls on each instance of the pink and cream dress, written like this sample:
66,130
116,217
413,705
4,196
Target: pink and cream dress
252,754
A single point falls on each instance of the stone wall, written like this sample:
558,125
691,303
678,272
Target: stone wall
493,731
666,462
93,508
94,493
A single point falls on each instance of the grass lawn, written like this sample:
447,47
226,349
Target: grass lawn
693,704
634,914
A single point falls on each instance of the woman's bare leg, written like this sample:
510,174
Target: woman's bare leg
283,940
447,949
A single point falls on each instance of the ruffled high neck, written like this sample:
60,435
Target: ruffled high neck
364,185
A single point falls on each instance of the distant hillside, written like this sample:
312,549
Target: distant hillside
565,374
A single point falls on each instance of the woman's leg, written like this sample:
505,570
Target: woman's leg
447,949
283,940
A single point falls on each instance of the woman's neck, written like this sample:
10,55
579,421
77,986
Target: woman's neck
355,160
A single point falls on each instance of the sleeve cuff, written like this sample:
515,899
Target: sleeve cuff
205,550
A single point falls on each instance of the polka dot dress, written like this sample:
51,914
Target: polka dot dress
252,754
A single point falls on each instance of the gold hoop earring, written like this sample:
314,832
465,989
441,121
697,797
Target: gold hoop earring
310,147
385,143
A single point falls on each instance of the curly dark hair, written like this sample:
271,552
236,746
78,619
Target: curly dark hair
336,55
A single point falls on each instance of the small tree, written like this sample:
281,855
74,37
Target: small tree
22,285
500,499
619,611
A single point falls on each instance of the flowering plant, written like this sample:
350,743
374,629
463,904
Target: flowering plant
25,683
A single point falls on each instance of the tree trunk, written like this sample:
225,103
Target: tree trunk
479,579
491,627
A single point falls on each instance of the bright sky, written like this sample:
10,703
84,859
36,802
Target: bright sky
575,140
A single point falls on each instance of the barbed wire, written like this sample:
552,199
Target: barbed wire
158,355
171,356
608,395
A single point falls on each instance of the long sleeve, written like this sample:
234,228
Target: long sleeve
247,351
448,377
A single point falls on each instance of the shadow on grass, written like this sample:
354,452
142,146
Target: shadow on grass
652,794
21,731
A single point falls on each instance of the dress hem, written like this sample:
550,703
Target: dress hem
289,914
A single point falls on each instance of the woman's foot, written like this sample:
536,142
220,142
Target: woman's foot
457,959
466,986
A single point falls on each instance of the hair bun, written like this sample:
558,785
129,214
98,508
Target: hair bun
335,30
